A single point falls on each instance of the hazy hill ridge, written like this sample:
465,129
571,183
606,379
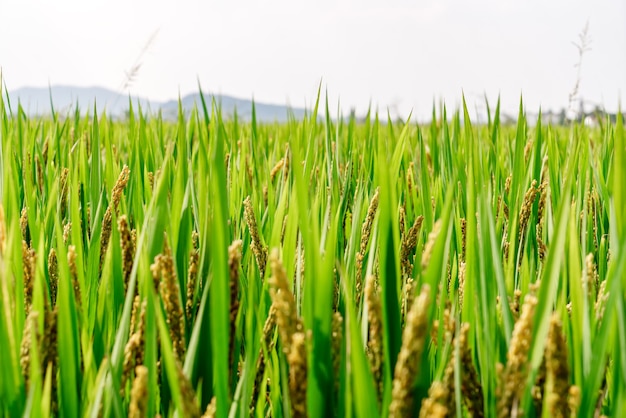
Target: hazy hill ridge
36,101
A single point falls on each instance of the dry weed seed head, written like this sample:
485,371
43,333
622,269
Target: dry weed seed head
259,250
515,374
139,394
366,231
413,342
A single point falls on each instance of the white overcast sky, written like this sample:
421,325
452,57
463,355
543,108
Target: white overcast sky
401,55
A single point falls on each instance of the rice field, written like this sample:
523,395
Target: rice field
322,267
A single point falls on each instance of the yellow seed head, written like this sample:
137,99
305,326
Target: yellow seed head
259,250
515,374
192,276
375,325
128,248
234,261
557,370
366,231
276,169
284,303
298,375
30,337
170,294
139,394
71,260
413,342
28,261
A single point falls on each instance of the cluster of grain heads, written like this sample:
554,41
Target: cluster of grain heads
146,352
407,364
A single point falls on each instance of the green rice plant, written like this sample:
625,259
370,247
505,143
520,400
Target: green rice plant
321,267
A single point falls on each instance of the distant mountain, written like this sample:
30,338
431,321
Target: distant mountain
36,101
